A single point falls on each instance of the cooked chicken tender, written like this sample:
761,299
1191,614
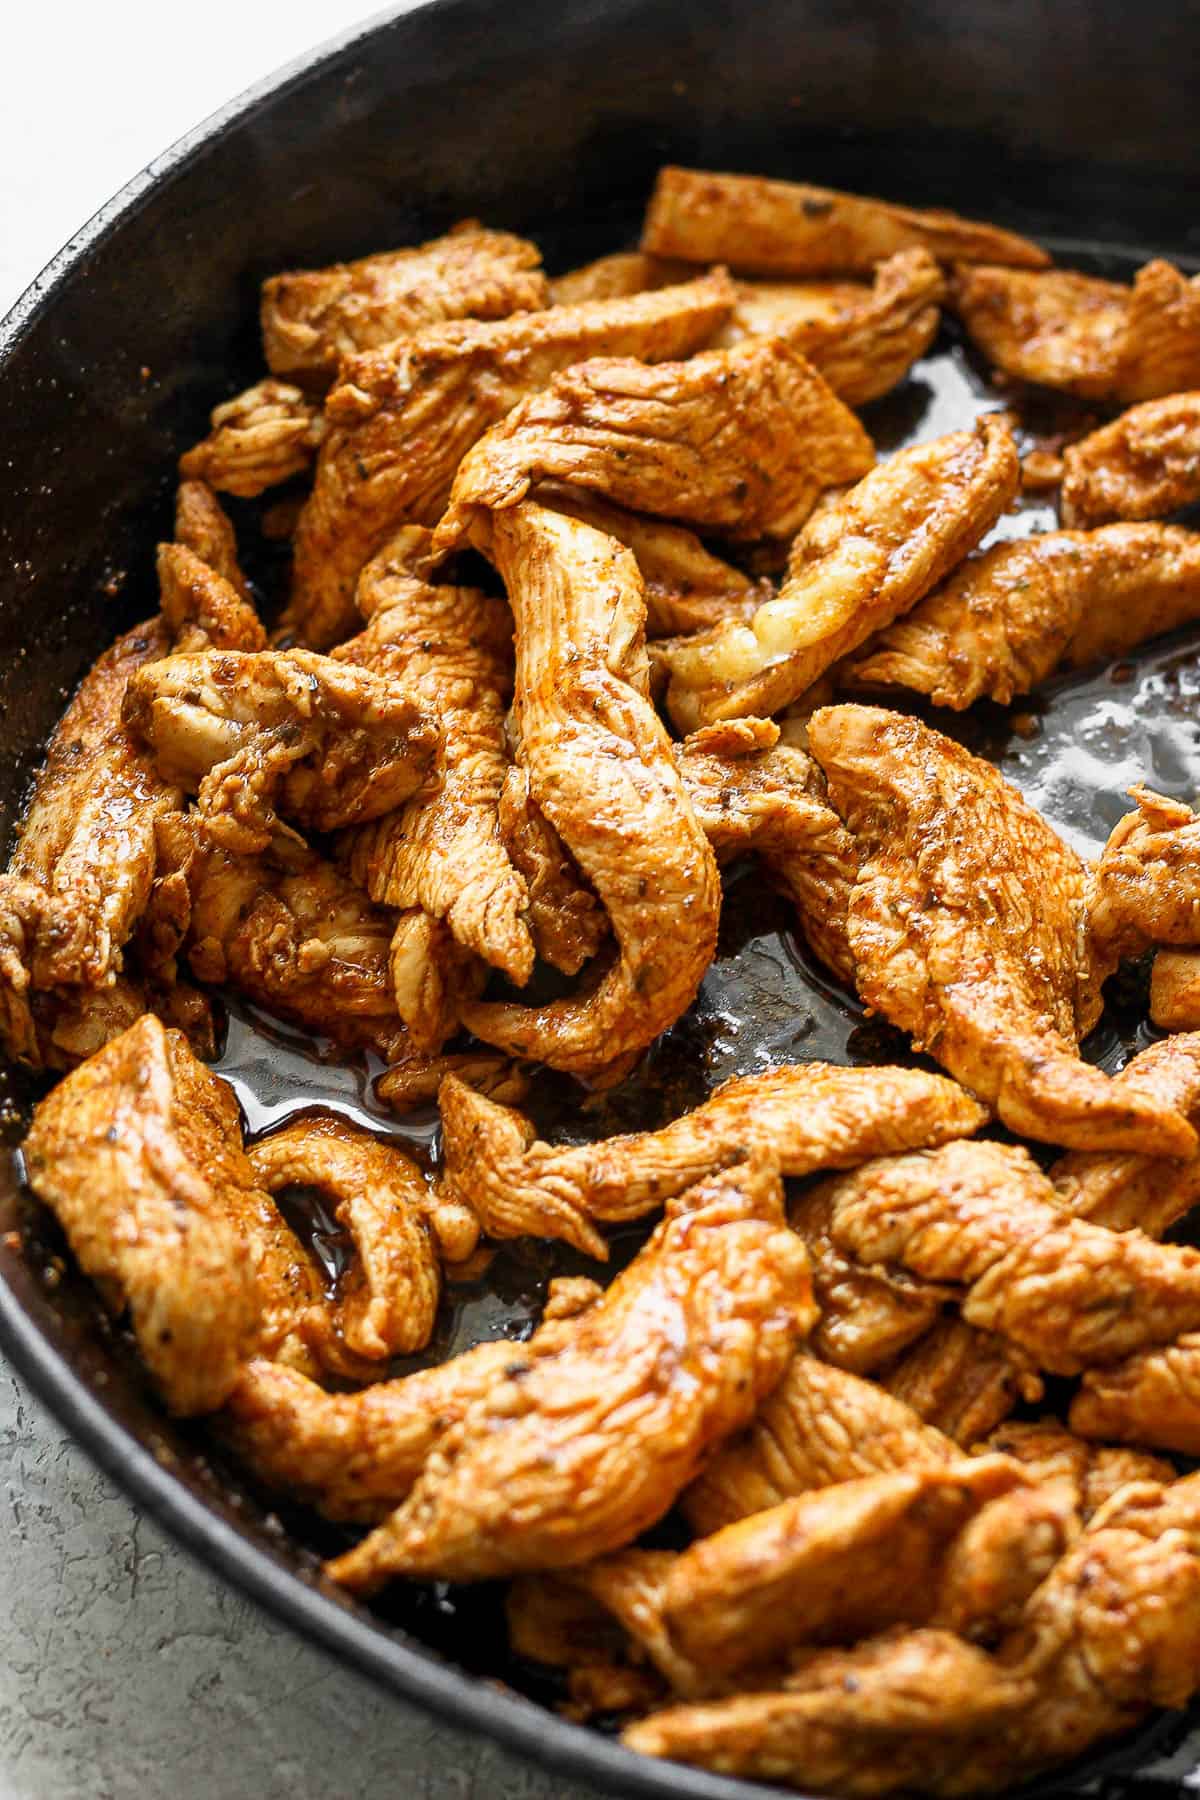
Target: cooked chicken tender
1144,465
1094,338
257,440
602,771
807,1116
202,610
248,732
963,1381
1151,1398
1092,1473
863,560
401,420
204,527
789,228
736,441
1010,617
586,1444
1146,888
1175,990
966,926
565,920
312,318
611,277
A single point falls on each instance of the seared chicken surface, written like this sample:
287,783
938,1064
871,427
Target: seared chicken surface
1175,990
257,440
565,919
1144,465
1146,888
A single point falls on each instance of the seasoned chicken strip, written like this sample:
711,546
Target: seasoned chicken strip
963,1381
401,420
864,559
312,318
1094,338
1093,1473
1144,465
250,731
611,277
807,1116
432,976
1071,1294
790,228
204,527
1010,617
139,1155
587,1444
565,920
863,340
1146,888
736,441
601,769
1175,990
1151,1398
966,926
202,610
260,438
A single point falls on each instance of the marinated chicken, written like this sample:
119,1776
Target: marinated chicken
738,441
586,1444
1175,990
258,439
1144,465
565,919
1151,1398
1010,617
1146,888
865,559
601,769
613,278
1097,339
966,923
401,420
202,610
808,1116
789,228
204,527
312,318
963,1381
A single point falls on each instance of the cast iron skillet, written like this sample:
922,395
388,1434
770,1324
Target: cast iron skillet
1074,121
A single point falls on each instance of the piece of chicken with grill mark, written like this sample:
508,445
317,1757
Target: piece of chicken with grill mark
865,558
807,1116
248,732
450,648
738,441
1143,465
312,318
401,420
966,923
260,438
1008,618
586,1444
1099,339
790,228
565,919
139,1155
602,770
862,339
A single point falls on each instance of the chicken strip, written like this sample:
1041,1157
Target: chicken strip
1146,888
601,769
1010,617
1091,1473
789,228
862,561
613,277
736,441
401,420
807,1116
1175,990
1071,1294
432,977
1098,339
202,610
250,731
204,527
1151,1398
257,440
963,1381
564,918
966,923
312,318
863,340
553,1466
1143,465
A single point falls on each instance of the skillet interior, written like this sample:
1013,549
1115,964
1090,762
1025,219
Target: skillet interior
1070,129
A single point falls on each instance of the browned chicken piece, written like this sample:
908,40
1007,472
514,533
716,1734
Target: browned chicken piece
1010,617
863,560
807,1116
204,527
251,731
564,917
586,1443
1146,888
736,441
1092,1473
602,771
312,318
613,277
789,228
881,1718
388,1299
687,588
202,610
864,340
963,1381
1175,990
401,420
450,649
966,926
1144,465
1098,339
415,1080
139,1155
554,1619
60,1029
1152,1398
259,439
1071,1294
432,977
